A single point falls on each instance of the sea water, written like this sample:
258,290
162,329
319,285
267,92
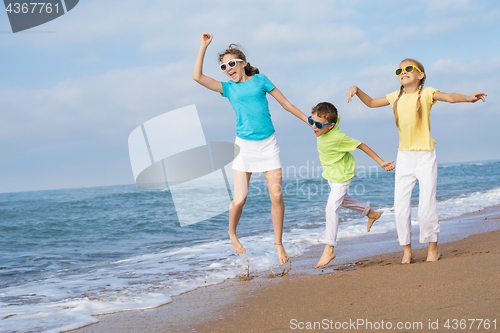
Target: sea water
68,254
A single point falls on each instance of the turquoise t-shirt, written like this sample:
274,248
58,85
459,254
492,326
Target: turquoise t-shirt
249,101
334,150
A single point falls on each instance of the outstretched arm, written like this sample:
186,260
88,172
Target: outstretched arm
367,100
386,165
287,105
198,75
458,98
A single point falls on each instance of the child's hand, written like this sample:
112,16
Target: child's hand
476,97
351,92
206,39
387,165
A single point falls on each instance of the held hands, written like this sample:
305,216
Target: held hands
387,165
206,39
351,92
476,97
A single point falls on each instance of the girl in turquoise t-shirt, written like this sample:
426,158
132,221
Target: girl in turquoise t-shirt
259,151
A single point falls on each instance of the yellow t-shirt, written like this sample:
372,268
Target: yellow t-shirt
411,136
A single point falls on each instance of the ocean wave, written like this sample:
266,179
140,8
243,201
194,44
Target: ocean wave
123,248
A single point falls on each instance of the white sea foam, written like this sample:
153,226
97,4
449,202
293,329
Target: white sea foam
64,300
468,203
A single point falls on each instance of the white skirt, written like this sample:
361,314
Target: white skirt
257,156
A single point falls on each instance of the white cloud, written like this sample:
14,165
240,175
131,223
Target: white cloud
441,5
156,26
404,35
104,104
128,61
476,68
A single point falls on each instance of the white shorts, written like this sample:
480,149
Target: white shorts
257,156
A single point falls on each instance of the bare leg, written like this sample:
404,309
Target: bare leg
241,180
407,255
274,185
372,217
433,253
328,255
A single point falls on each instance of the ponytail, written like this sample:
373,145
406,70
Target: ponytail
419,104
395,105
249,70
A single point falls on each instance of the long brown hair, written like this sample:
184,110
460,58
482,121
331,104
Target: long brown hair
234,49
401,91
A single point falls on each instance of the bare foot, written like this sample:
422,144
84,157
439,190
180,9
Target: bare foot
238,248
372,217
407,254
433,253
433,256
282,255
407,259
327,256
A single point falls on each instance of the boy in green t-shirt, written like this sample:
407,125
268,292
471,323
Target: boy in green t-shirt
334,149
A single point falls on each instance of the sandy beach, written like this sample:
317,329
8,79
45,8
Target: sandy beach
460,292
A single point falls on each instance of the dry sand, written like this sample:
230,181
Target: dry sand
371,294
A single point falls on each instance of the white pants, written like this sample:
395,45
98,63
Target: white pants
411,166
339,198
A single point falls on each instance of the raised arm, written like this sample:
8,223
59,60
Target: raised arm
198,75
459,98
367,100
386,165
287,105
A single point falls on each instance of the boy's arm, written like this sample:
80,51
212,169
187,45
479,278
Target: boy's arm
386,165
459,98
367,100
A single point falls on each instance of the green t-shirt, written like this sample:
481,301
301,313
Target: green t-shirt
334,147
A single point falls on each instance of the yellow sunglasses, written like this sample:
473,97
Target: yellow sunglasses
407,69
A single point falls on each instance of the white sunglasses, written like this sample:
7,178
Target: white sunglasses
230,63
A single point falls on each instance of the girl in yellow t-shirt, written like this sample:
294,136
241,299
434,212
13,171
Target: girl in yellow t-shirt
416,158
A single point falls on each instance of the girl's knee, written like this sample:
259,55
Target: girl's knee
238,203
276,199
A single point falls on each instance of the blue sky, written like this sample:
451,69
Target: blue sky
73,89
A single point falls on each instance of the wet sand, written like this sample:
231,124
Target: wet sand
369,294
